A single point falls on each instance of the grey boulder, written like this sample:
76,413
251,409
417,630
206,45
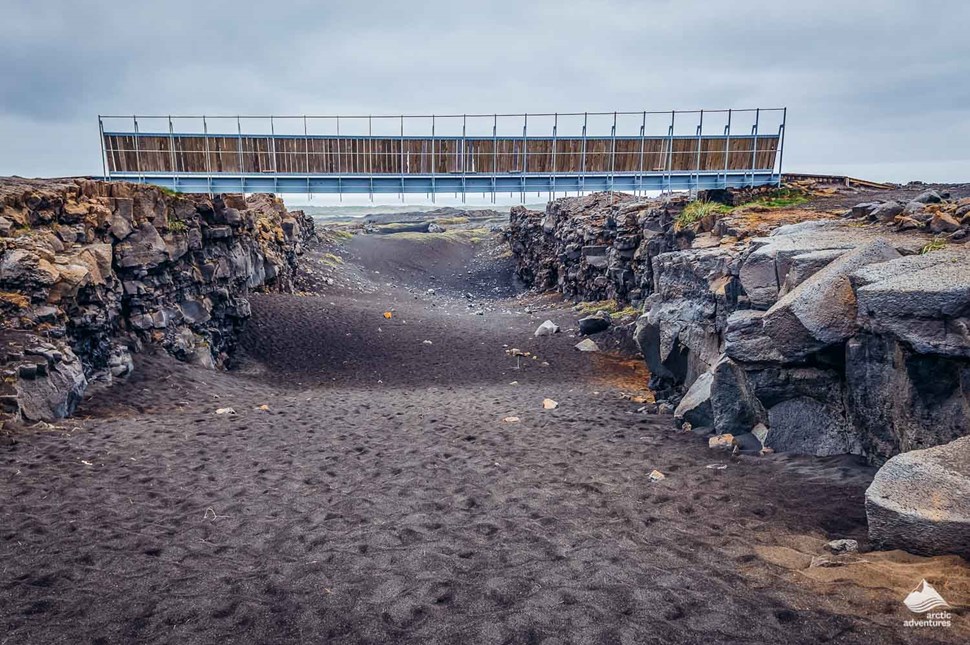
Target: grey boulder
886,212
921,299
919,501
594,324
548,328
695,408
822,310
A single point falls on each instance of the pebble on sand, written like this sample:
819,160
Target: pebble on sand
725,440
549,404
842,546
225,411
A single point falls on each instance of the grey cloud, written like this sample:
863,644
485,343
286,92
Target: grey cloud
869,84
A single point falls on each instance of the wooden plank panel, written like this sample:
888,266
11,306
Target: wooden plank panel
382,156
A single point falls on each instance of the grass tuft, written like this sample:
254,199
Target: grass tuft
696,211
177,226
450,221
332,260
937,244
781,198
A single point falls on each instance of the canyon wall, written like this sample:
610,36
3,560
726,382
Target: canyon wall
807,331
92,271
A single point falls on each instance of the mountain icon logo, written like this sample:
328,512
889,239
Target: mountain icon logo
924,598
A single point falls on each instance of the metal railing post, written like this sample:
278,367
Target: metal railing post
700,141
582,172
670,148
525,154
555,144
494,153
134,119
612,156
339,165
754,143
464,132
402,158
208,165
727,148
171,149
272,142
306,147
105,167
643,133
242,162
432,161
370,156
781,141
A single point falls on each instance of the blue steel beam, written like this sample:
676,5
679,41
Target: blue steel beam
484,183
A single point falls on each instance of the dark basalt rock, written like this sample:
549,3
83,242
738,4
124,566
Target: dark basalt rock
594,324
101,267
825,323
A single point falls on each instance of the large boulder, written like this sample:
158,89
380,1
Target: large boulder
928,197
887,211
600,321
735,406
764,271
821,311
919,501
54,395
921,299
801,250
695,408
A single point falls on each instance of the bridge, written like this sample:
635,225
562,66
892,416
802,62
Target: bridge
461,154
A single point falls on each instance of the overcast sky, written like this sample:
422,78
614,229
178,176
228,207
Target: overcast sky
879,90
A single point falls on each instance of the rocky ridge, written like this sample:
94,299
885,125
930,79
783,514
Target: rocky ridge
818,326
92,271
820,331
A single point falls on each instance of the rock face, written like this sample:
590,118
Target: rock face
856,348
838,337
596,247
920,501
92,270
821,337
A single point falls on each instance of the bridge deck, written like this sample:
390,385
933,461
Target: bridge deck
246,162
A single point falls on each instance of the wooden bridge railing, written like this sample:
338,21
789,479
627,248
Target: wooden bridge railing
156,153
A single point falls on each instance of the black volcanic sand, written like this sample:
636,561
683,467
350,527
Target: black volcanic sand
382,497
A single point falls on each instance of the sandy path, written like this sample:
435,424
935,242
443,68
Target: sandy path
408,510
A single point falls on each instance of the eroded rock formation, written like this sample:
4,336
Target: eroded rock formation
596,247
92,270
837,337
